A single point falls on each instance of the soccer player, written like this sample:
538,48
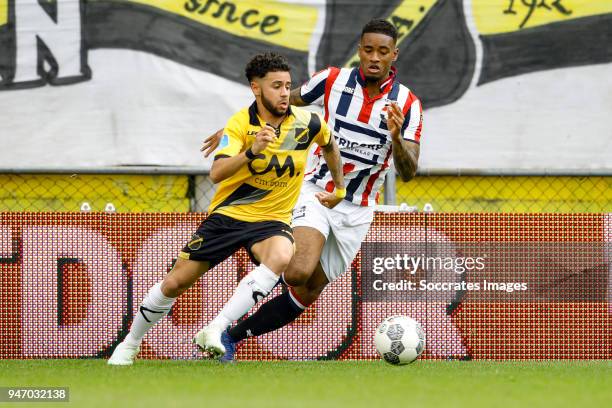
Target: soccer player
373,117
259,169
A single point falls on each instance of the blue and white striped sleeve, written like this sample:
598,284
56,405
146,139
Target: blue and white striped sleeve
313,90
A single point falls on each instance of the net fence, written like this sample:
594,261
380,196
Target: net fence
192,192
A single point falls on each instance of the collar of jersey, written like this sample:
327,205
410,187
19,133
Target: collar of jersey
254,117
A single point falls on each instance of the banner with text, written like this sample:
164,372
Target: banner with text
142,82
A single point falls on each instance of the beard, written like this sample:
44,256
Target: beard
376,78
271,108
372,79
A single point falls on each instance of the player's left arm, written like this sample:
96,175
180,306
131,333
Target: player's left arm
331,154
405,152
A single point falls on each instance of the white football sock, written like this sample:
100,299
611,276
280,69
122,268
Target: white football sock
251,289
154,306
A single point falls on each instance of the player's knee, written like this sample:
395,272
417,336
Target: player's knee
172,287
279,262
296,276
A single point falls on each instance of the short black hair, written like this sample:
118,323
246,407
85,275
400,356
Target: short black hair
380,26
261,64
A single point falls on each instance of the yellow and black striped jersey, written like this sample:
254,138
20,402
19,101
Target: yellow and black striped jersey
268,187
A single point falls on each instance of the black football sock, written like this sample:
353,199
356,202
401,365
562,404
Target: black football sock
272,315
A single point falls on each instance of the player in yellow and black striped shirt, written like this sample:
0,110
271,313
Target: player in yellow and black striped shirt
260,169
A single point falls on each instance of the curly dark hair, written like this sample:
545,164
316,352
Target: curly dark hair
261,64
380,26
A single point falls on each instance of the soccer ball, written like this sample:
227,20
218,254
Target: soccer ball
399,340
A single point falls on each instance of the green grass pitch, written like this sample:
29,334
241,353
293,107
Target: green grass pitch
319,384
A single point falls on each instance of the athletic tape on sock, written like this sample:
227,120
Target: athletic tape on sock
295,299
251,289
156,298
261,280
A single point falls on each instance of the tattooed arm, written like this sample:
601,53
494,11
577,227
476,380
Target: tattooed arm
405,153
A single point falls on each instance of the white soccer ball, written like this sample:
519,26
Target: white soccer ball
399,340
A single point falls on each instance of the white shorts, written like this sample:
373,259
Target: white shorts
344,228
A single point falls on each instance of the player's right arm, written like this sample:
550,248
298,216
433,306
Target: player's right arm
295,97
231,158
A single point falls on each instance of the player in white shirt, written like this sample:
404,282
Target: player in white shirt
372,117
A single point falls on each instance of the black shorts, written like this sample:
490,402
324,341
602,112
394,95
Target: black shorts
218,237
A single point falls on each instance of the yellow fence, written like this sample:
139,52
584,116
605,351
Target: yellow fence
534,194
183,193
65,192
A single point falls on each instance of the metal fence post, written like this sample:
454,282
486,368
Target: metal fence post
389,194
